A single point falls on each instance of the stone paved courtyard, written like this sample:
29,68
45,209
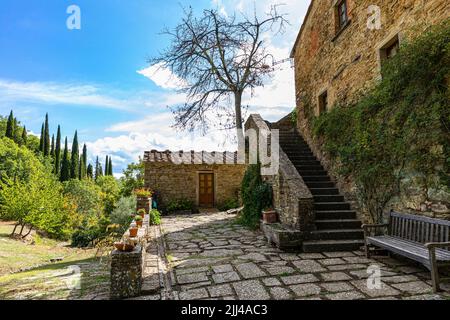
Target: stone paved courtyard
209,256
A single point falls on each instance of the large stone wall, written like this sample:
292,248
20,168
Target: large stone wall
180,181
347,64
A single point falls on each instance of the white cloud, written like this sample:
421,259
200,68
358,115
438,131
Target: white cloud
162,77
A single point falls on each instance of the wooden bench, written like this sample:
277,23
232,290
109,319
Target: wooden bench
421,239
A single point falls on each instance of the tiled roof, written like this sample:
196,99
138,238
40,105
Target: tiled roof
192,157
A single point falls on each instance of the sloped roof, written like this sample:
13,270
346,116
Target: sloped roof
192,157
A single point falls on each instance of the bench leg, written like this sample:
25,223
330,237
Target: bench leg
367,249
434,270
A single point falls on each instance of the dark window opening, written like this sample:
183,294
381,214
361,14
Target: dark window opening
342,14
323,102
390,49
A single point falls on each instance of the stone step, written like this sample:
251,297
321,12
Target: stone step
329,198
331,245
303,163
303,158
302,167
335,214
324,191
316,179
337,234
322,206
338,224
314,173
312,184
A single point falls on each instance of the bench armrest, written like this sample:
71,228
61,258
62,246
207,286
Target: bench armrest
373,226
432,245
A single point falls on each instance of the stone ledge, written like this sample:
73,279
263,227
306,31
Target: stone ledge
284,238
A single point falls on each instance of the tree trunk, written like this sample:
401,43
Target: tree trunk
29,231
239,129
14,230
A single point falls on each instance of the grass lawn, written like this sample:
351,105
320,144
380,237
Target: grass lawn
43,279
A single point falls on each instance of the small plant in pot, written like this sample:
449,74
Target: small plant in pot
126,245
139,220
141,212
133,230
143,193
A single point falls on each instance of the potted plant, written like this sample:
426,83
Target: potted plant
133,230
143,193
126,245
141,213
139,220
270,215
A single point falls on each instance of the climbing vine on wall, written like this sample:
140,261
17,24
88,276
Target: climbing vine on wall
402,124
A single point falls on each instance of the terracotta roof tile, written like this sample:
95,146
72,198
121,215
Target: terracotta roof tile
192,157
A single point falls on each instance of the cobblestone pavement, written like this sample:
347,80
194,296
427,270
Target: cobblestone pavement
209,256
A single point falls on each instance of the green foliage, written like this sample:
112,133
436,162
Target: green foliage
109,192
65,164
256,196
294,117
180,205
46,137
231,203
58,152
123,213
10,126
401,125
155,217
75,158
86,196
133,178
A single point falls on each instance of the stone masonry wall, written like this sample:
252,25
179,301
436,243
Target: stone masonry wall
292,199
174,182
347,64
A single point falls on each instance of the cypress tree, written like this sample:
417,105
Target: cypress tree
106,166
80,168
24,136
41,140
97,169
90,172
65,167
10,126
110,168
46,137
75,159
58,151
52,149
83,163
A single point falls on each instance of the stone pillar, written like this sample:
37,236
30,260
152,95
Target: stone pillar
126,273
144,203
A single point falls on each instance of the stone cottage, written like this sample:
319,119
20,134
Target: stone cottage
207,179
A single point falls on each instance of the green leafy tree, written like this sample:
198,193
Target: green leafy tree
83,163
65,166
98,169
122,214
75,158
110,192
52,149
106,166
132,179
110,167
58,152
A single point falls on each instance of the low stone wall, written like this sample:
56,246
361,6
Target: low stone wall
292,199
144,203
127,267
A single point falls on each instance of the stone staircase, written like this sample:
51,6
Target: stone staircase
336,223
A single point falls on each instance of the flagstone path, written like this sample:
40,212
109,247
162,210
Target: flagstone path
209,256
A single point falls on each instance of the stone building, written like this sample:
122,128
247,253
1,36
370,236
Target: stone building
208,179
338,55
342,44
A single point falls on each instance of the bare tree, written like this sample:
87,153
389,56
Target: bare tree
218,58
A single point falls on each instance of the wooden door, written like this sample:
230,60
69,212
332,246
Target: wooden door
206,190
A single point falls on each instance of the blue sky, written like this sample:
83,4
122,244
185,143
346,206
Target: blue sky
97,79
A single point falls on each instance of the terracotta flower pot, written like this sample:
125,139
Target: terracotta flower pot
139,223
270,216
123,247
133,232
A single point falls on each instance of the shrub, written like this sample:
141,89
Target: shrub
155,217
231,203
180,204
142,192
256,195
122,214
138,218
398,127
